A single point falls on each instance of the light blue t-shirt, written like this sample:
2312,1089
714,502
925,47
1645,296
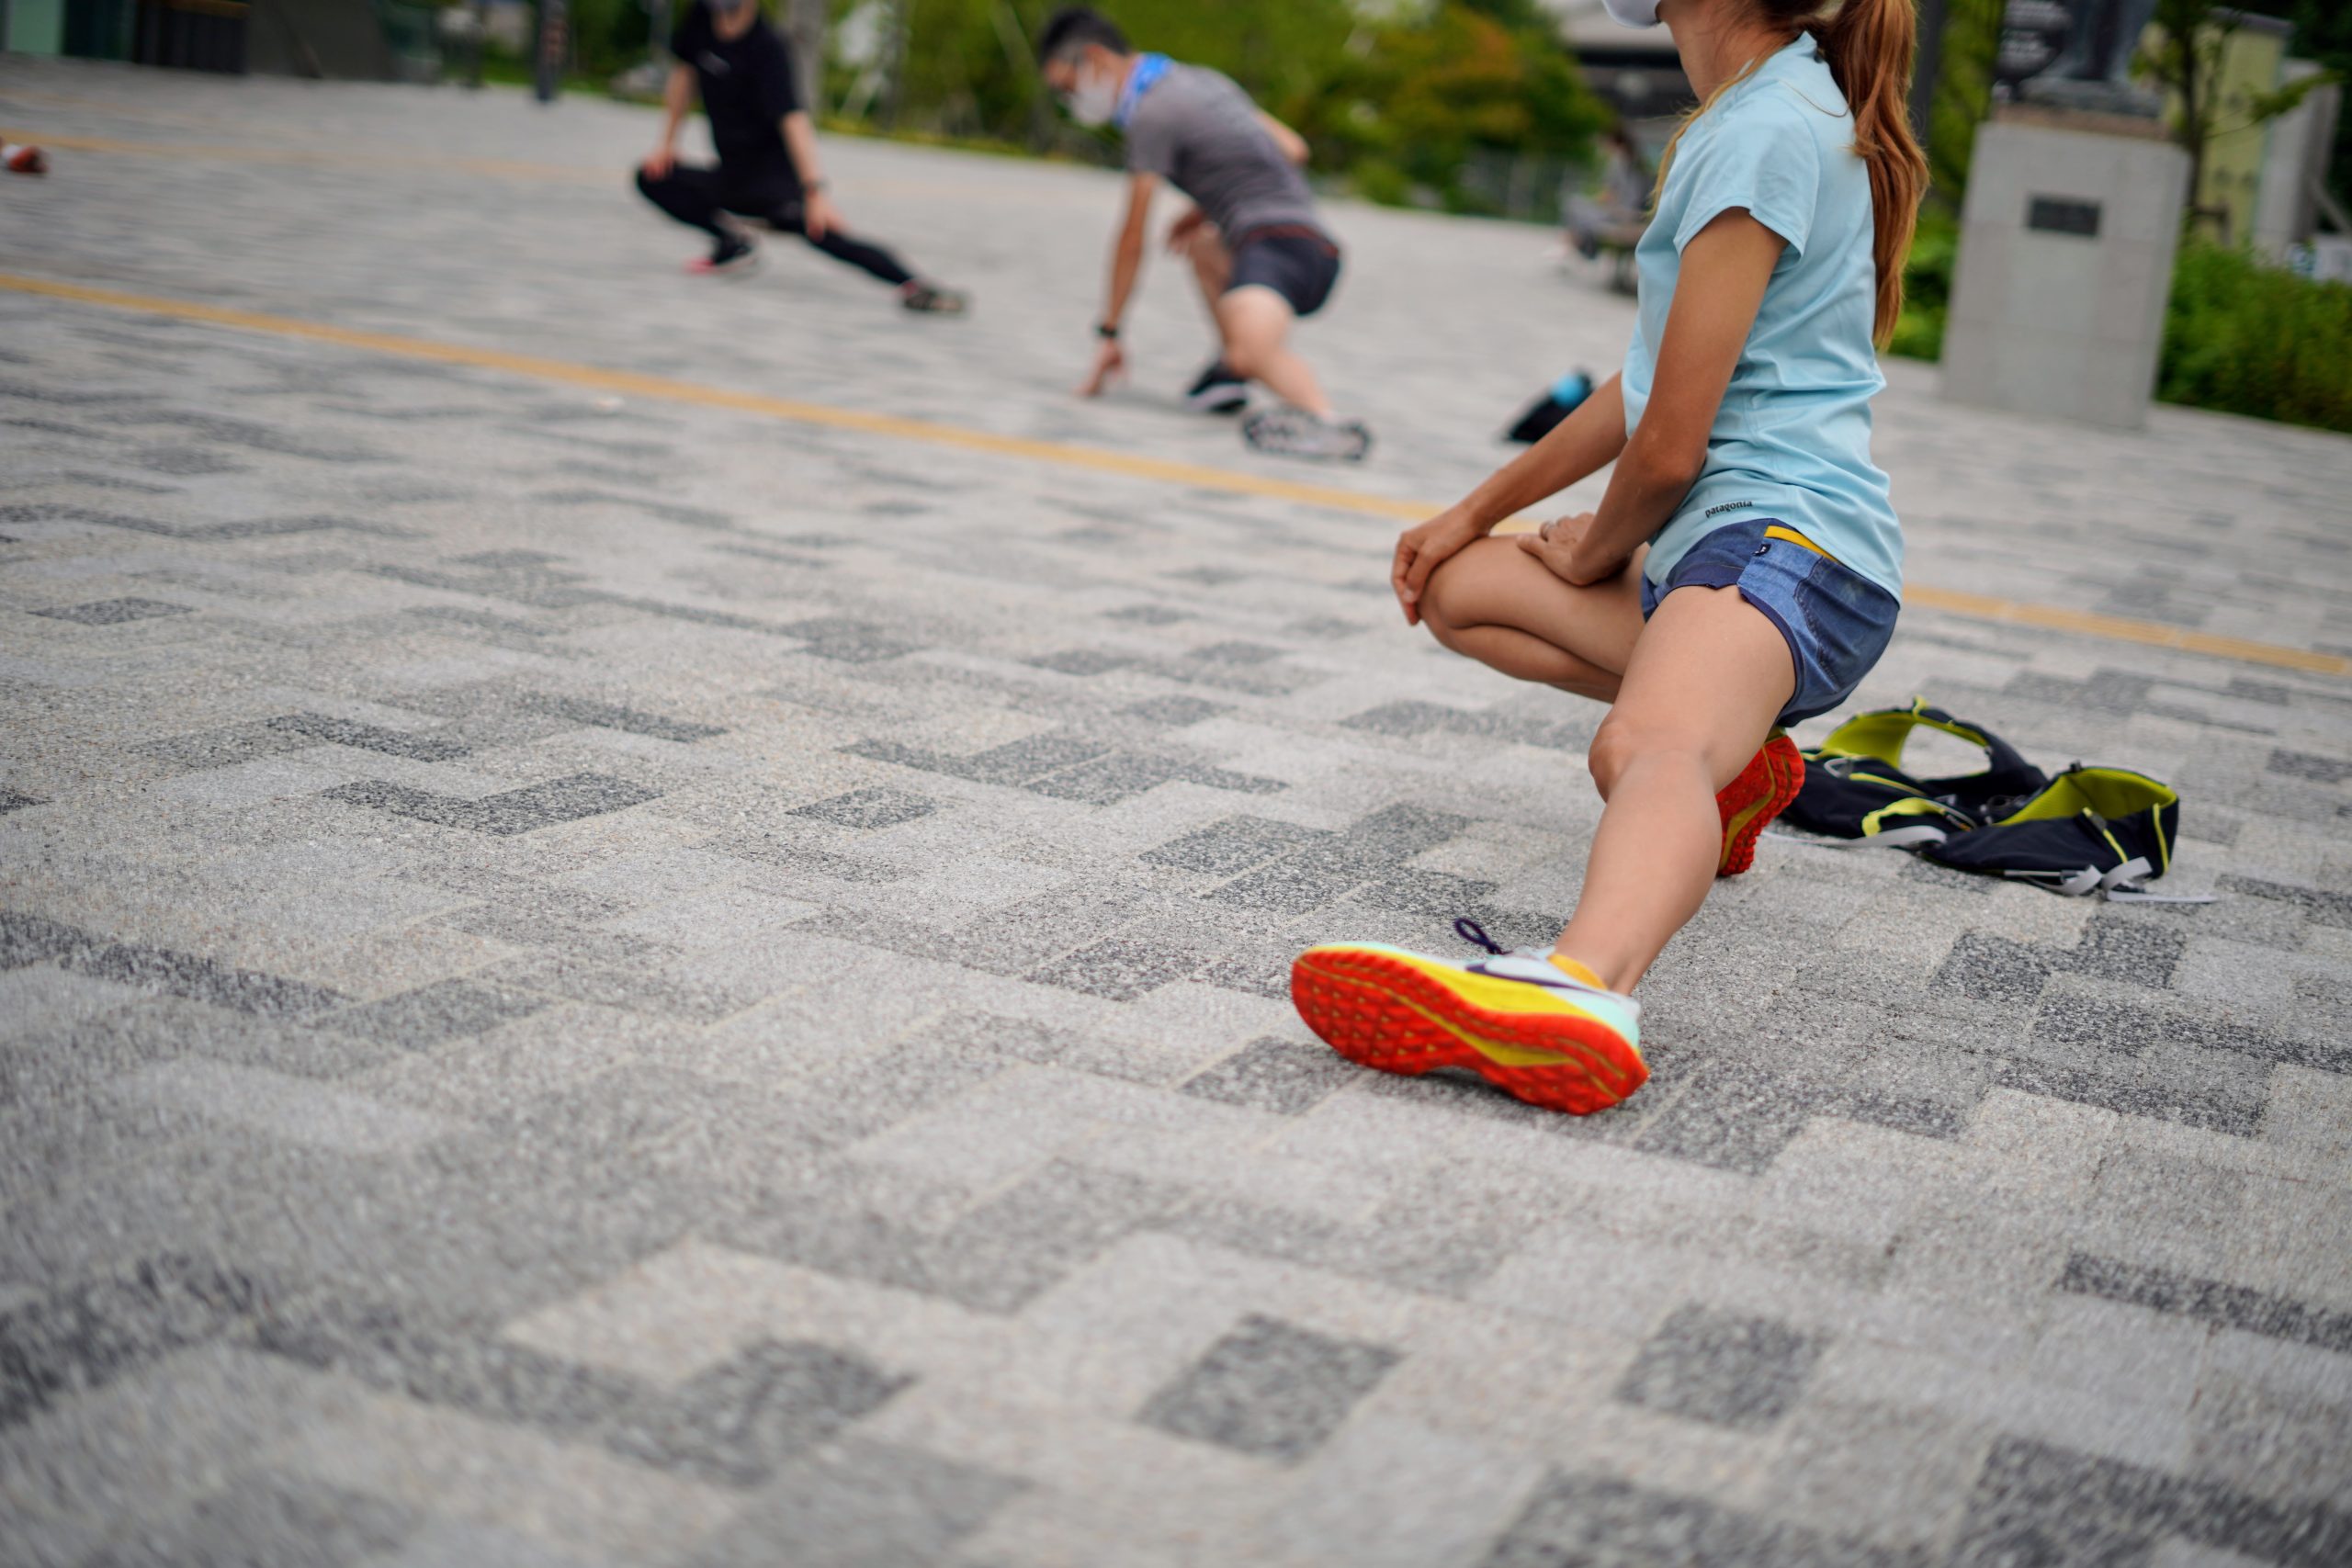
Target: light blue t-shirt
1791,440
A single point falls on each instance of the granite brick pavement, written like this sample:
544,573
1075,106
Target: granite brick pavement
591,982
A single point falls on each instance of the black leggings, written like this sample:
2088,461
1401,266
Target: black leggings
697,197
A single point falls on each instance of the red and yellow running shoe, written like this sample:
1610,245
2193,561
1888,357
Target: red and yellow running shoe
1765,788
1540,1029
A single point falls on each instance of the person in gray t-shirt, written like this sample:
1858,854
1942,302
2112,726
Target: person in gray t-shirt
1261,256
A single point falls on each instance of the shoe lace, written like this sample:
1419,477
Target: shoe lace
1471,931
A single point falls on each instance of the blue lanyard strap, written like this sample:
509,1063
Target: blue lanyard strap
1149,68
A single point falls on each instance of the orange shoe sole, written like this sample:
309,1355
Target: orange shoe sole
1379,1012
1765,788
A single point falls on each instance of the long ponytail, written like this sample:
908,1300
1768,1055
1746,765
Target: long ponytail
1871,45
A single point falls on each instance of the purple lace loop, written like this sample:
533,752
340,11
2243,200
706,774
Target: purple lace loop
1471,931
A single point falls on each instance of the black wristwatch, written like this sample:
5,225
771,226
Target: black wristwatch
1107,330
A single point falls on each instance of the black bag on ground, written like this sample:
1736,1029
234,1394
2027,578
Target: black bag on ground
2105,830
1855,787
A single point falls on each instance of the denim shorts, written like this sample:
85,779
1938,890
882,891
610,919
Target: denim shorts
1837,622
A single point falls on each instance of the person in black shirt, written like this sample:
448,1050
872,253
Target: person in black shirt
768,152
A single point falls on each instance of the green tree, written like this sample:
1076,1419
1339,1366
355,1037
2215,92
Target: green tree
1421,96
2184,57
1963,96
1410,100
2323,33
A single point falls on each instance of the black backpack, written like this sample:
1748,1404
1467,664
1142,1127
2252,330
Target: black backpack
2089,831
2107,831
1855,787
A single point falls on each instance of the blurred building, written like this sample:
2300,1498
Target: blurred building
349,39
1634,69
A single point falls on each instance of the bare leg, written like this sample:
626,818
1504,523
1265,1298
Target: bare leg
1212,270
1255,324
1709,674
1502,607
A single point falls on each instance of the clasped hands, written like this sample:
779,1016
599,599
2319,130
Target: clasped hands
1559,545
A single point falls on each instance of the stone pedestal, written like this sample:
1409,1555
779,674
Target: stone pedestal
2066,261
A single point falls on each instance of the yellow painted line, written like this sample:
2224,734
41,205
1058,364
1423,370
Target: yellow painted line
664,388
2118,629
222,152
1976,606
435,162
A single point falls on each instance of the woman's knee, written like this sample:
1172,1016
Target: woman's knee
1446,595
1623,743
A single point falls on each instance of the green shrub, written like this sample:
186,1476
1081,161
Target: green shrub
2247,338
1927,289
2240,337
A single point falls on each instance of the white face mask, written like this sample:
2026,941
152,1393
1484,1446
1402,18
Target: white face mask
1094,100
1632,12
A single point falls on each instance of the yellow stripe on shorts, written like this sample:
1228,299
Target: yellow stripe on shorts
1792,536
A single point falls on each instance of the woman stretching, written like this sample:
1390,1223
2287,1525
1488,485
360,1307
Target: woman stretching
1742,571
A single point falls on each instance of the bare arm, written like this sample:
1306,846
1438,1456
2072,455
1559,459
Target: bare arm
1581,445
1725,268
678,102
800,141
1127,253
1577,448
1293,145
1127,265
818,214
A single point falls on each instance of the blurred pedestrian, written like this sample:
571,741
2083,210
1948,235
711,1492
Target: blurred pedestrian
1615,210
767,154
1259,253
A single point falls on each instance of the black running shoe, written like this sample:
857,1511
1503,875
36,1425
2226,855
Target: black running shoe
1295,432
733,255
931,299
1219,391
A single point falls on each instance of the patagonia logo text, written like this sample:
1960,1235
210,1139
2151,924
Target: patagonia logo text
1728,506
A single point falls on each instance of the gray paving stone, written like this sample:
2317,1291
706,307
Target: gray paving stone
1268,1388
1607,1522
368,738
80,1337
115,612
858,1504
2038,1501
482,1377
265,1521
2225,1305
29,939
512,811
1733,1370
611,715
1274,1074
870,808
446,1009
734,1423
1990,968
